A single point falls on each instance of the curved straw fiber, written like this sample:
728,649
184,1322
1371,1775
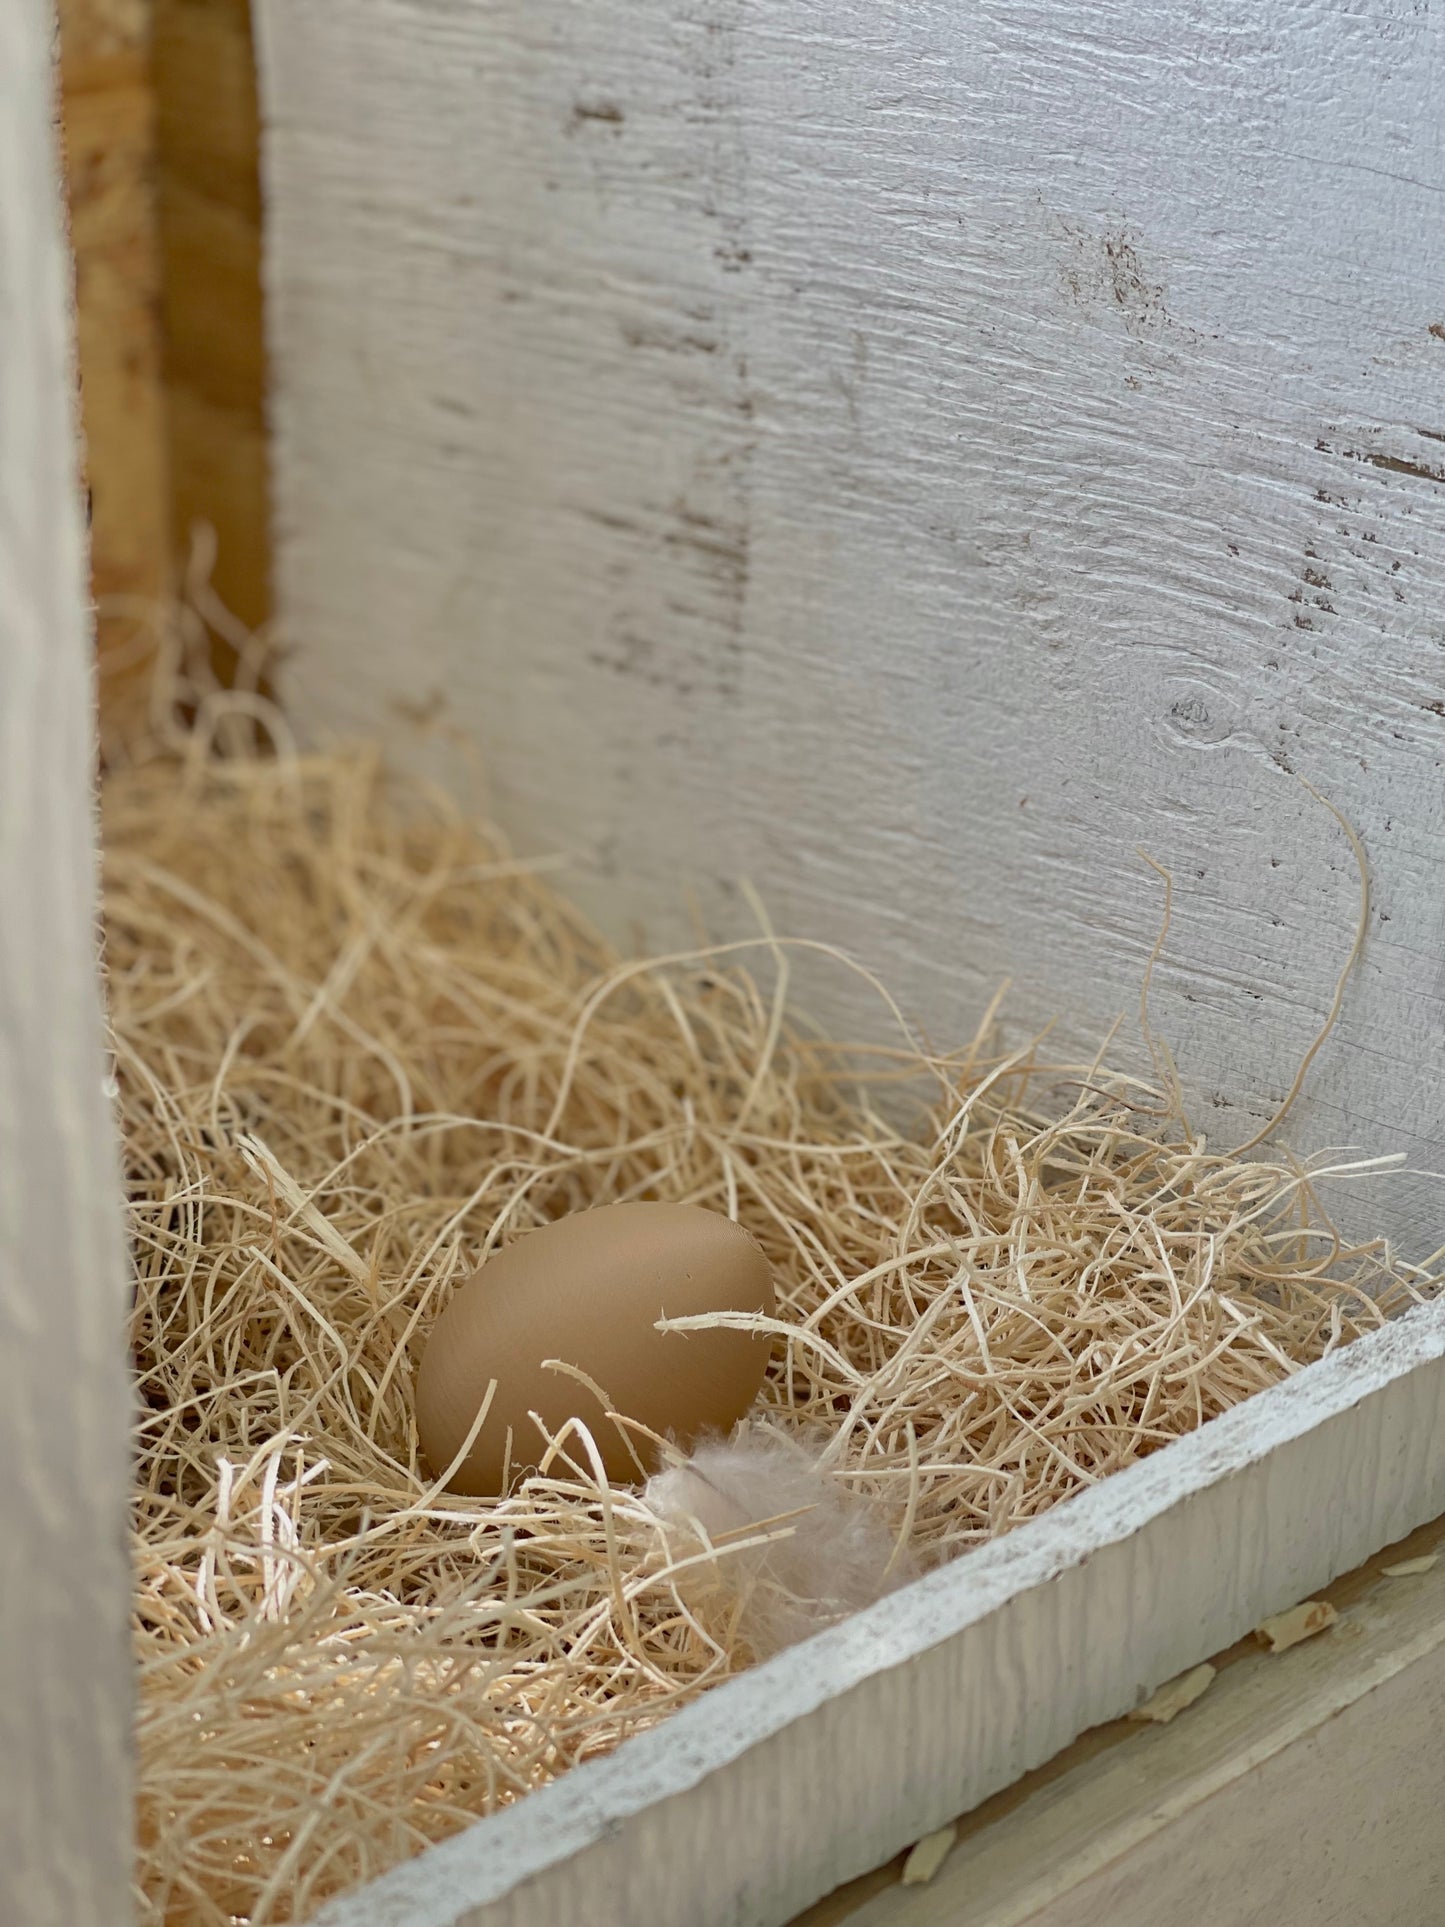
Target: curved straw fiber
358,1045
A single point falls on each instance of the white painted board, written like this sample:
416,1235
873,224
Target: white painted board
1301,1791
781,1784
65,1808
908,456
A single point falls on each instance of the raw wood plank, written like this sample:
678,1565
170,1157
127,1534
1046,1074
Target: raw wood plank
220,456
103,44
206,100
210,215
213,264
109,135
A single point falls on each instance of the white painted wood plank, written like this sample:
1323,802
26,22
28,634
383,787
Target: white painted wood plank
909,458
1303,1791
769,1792
65,1816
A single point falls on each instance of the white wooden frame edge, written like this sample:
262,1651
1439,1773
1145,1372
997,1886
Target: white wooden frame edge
748,1805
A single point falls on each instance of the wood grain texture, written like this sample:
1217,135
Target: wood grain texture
109,133
210,221
1303,1791
64,1414
910,463
764,1795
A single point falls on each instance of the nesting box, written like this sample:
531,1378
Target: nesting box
911,471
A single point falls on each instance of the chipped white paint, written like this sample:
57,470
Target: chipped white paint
909,457
64,1576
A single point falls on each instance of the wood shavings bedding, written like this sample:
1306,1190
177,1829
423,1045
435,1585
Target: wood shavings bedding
358,1045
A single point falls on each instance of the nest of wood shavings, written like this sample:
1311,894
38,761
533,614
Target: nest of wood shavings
358,1046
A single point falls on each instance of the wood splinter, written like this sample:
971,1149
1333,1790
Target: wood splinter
1301,1622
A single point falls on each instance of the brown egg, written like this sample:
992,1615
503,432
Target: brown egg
588,1291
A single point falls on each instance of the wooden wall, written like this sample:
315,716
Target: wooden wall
159,105
910,458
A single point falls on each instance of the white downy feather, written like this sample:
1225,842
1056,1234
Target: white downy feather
794,1547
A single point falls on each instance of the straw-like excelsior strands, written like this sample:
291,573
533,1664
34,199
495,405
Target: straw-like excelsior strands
358,1046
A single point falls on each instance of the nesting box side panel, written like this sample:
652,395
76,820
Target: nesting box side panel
913,464
65,1814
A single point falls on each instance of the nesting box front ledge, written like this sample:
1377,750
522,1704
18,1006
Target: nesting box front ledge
753,1802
